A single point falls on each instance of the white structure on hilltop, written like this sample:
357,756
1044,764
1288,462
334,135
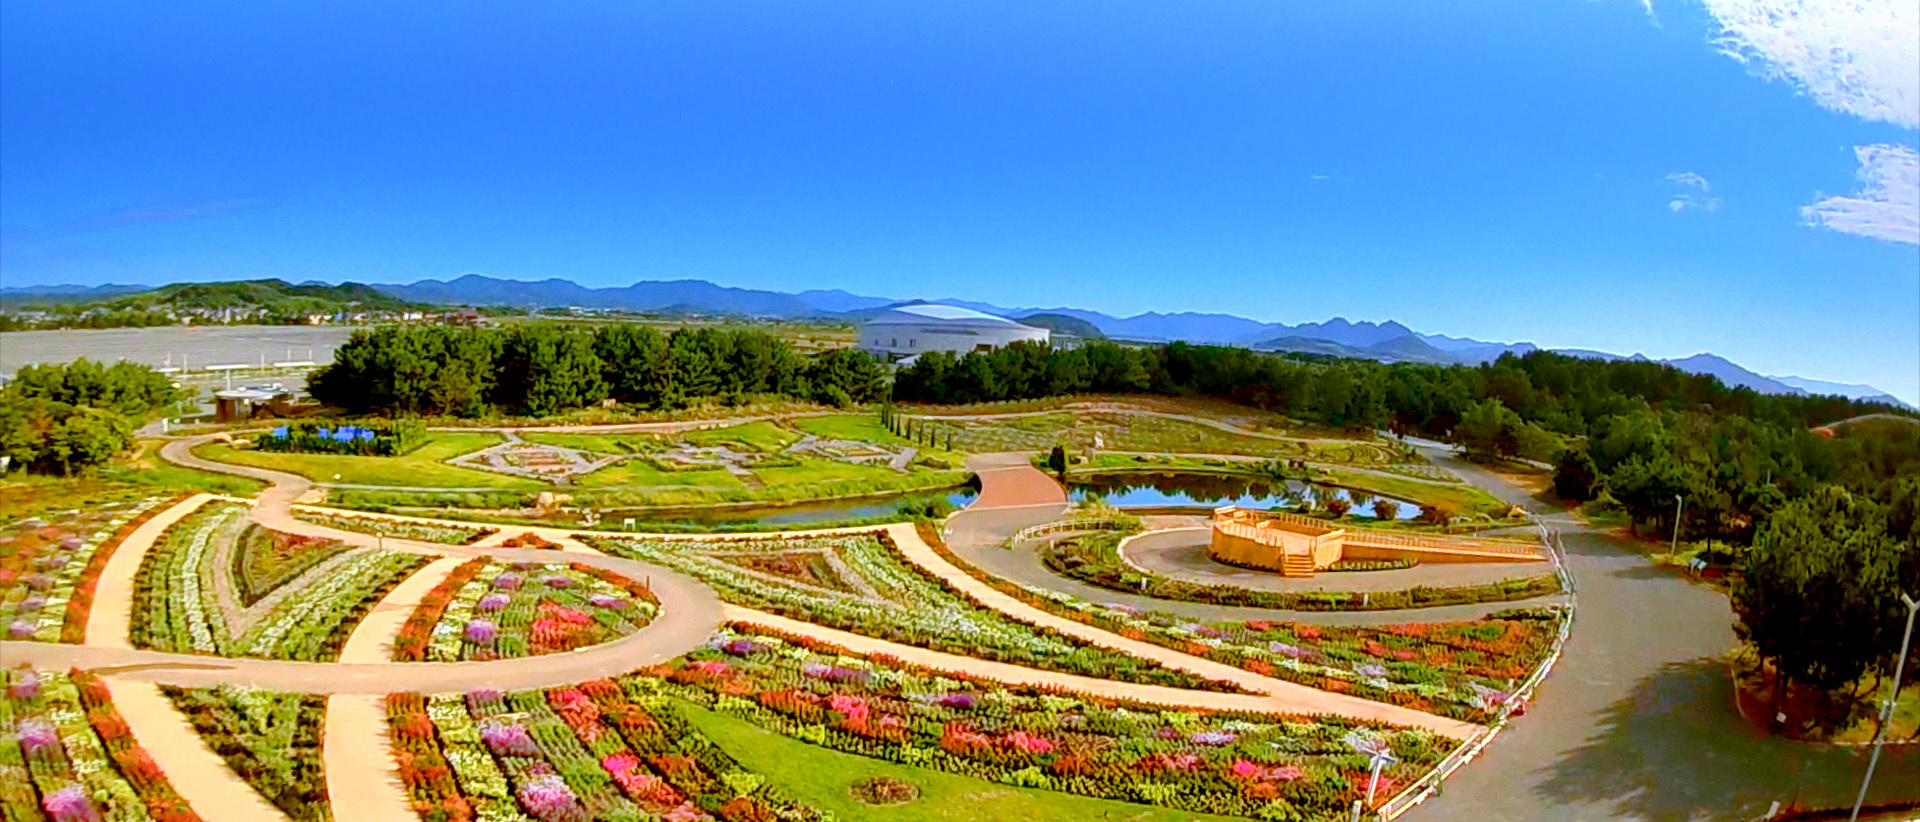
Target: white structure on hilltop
910,330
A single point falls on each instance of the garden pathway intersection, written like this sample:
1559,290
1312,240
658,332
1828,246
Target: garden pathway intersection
1633,725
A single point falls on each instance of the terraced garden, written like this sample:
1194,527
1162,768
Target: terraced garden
1255,765
423,467
492,610
48,564
602,750
399,529
217,584
270,740
1120,431
857,583
67,755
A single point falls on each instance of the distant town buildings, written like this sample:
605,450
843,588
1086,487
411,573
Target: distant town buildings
911,330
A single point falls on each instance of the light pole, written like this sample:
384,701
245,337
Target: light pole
1679,505
1886,711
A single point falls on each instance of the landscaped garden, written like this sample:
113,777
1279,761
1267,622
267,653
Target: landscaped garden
270,740
216,584
1095,559
422,467
1122,431
49,563
67,756
1265,766
1463,669
398,529
865,788
492,610
601,750
857,583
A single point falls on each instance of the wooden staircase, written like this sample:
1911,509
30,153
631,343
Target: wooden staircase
1297,565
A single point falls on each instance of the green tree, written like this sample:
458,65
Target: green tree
1057,460
1576,477
1819,587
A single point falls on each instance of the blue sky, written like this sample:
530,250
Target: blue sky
1734,175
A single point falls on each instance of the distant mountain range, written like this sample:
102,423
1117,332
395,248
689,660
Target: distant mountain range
1387,341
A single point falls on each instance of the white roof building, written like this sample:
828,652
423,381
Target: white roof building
911,330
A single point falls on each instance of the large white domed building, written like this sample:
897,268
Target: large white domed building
910,330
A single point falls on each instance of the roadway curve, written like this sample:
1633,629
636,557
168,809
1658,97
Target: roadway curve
1637,720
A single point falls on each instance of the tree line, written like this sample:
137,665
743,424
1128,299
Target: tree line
1638,433
540,369
66,419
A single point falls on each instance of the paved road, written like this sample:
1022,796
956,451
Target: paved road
1637,721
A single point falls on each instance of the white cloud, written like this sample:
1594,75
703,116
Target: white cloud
1858,57
1693,194
1887,206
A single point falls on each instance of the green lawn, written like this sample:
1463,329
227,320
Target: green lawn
640,473
1465,499
861,427
761,435
421,468
812,471
820,777
151,470
602,443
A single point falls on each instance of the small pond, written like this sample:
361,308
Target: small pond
1141,489
808,513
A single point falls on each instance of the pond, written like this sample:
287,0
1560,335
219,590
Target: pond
1140,489
808,513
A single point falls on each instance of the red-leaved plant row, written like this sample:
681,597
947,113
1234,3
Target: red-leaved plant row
163,803
74,630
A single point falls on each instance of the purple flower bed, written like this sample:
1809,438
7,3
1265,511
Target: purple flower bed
491,602
508,740
481,631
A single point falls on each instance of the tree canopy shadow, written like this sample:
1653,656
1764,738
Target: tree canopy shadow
1676,751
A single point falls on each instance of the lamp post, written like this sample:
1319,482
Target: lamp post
1679,505
1886,711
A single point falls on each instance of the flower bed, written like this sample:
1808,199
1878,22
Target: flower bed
875,593
264,560
69,756
1454,669
271,740
48,567
367,440
175,607
1266,766
594,751
1095,560
417,531
487,610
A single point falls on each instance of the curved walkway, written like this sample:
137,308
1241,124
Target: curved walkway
1181,553
1019,501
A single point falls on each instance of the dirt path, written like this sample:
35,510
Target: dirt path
109,623
197,773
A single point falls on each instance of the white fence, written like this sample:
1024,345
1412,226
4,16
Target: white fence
1063,526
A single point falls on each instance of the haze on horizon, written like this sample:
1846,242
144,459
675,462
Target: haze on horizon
1734,176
